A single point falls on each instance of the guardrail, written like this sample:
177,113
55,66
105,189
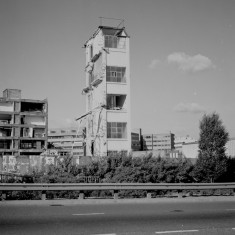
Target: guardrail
115,187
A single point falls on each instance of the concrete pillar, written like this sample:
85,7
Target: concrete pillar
4,195
81,195
43,197
115,194
180,193
232,192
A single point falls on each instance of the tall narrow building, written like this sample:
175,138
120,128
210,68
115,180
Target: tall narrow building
108,127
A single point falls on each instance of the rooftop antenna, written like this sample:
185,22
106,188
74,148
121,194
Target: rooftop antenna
118,21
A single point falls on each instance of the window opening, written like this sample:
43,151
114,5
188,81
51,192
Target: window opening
115,42
115,102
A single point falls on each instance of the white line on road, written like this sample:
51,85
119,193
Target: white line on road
177,231
90,214
105,234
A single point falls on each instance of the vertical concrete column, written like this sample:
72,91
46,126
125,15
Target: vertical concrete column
115,194
149,195
180,193
81,195
201,192
4,195
43,197
232,192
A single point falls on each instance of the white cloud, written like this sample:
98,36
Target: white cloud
189,108
190,63
153,63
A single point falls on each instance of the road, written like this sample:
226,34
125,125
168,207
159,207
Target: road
161,217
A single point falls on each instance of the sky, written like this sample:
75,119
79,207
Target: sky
182,56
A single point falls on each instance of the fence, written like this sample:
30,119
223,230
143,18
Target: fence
6,176
115,187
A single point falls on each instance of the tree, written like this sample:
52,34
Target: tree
212,160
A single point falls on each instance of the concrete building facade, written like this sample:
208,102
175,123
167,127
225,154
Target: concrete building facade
135,141
108,127
180,140
161,142
67,141
191,149
230,147
23,130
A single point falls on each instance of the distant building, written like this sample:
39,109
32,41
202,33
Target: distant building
179,141
136,140
160,142
23,130
191,149
230,148
67,141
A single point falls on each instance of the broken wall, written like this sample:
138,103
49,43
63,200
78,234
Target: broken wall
96,140
34,120
7,107
8,163
96,121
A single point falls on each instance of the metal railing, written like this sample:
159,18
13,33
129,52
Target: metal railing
115,187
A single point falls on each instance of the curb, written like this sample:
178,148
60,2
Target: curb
67,202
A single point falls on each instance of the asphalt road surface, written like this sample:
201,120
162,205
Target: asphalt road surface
163,217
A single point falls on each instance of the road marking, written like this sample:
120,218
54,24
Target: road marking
105,234
90,214
177,231
230,209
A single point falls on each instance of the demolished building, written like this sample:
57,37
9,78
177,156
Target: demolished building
23,131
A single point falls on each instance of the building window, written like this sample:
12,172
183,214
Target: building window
115,102
116,130
115,42
115,74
